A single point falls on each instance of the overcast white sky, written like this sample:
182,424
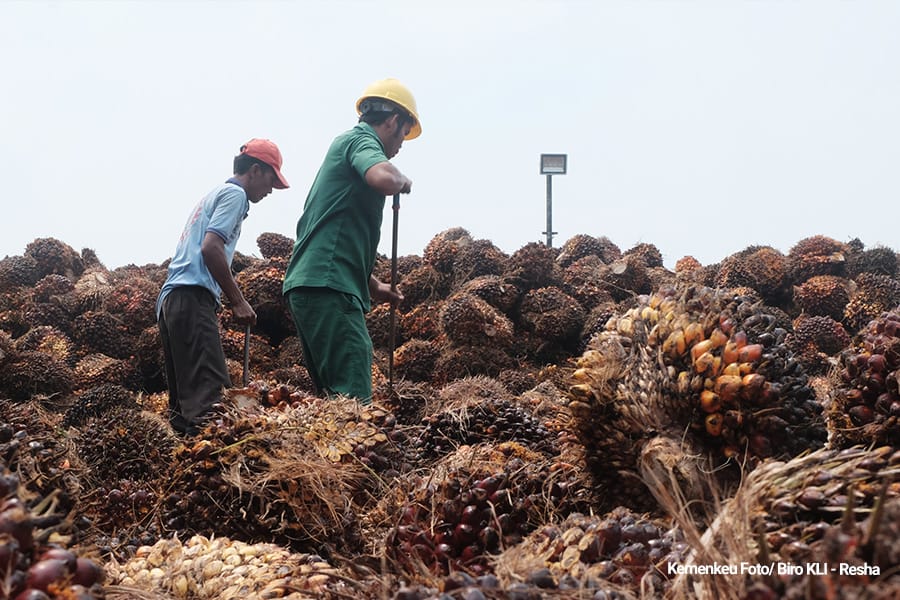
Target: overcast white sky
701,127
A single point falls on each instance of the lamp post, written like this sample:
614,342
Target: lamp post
551,164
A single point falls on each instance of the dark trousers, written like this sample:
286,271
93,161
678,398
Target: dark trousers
195,362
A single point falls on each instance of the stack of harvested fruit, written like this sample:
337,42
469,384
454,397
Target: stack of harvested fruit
573,422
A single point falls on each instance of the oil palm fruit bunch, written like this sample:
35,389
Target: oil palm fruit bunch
272,245
54,256
98,401
124,443
13,319
18,271
366,435
442,250
261,284
92,289
687,264
422,285
518,381
880,260
589,552
414,360
466,319
626,278
51,286
816,255
478,420
874,295
378,322
407,402
103,332
831,508
577,247
762,268
34,373
289,352
288,475
31,447
49,340
816,340
422,322
476,259
552,315
686,374
483,499
57,313
200,499
533,266
823,295
497,291
406,264
583,281
121,514
866,404
97,369
647,253
30,567
225,569
582,245
134,302
609,252
595,322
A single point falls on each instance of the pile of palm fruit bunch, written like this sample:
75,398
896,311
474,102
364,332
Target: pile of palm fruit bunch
617,552
551,423
826,521
37,493
691,380
865,401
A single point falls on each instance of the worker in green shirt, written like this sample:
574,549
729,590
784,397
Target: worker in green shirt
328,284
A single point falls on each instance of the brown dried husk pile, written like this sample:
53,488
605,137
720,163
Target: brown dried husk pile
477,401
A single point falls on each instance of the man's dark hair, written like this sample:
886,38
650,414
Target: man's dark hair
377,117
243,162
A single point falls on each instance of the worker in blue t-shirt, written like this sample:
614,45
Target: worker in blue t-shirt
198,274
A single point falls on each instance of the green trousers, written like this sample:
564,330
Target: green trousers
337,349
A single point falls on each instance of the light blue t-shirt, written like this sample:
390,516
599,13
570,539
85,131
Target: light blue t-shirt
221,212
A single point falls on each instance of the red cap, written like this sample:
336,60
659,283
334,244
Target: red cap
268,152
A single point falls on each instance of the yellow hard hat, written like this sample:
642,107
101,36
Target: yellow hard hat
396,92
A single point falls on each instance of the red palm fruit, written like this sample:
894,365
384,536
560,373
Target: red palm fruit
727,387
700,348
877,363
713,424
87,573
46,572
750,353
62,554
752,385
718,338
710,401
469,553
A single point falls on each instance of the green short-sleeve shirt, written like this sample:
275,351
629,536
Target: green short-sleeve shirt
339,230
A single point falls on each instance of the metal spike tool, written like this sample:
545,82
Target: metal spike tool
246,378
393,321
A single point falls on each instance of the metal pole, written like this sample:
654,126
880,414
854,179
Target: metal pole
393,315
549,211
246,375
